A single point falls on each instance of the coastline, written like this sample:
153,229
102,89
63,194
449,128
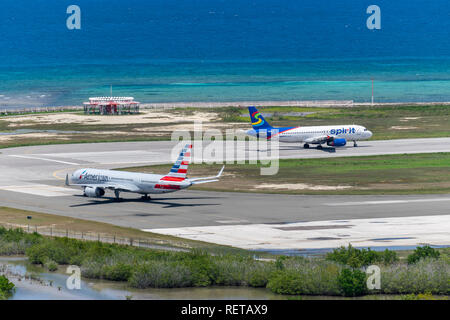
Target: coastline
256,103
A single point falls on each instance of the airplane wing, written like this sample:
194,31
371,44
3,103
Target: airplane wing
207,179
107,185
319,139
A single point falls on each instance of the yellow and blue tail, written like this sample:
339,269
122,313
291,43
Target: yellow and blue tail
258,121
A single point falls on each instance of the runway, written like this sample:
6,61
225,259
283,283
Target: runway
32,178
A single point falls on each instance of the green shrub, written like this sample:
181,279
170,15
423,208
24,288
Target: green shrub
259,274
279,262
16,241
232,114
201,267
229,272
51,265
388,256
117,272
161,275
421,253
352,282
357,258
6,288
286,282
426,275
305,277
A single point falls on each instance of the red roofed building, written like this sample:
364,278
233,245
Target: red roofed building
111,105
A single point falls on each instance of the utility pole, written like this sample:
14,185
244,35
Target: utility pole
372,91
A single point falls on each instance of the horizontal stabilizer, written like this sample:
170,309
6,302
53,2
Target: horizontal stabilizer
204,181
206,178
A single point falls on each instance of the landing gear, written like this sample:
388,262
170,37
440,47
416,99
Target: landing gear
146,197
306,146
319,147
117,194
354,144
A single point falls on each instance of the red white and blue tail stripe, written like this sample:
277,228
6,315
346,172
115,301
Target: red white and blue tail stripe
180,167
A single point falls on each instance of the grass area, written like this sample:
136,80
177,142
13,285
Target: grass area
23,141
387,174
19,218
386,122
43,128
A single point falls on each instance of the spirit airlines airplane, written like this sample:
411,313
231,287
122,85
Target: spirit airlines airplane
336,136
95,182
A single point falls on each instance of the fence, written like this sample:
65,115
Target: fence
293,103
162,105
96,236
6,112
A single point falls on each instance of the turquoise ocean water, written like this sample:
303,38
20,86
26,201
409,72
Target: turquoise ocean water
229,50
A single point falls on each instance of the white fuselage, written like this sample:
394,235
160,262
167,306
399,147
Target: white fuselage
304,134
142,183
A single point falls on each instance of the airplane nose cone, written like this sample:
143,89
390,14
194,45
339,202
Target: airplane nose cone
369,134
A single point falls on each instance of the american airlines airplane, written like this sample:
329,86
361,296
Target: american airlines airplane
95,182
336,136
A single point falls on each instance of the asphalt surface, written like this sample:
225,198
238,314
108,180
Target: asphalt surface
32,178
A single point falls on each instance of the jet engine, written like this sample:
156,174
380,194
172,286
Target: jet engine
338,142
94,192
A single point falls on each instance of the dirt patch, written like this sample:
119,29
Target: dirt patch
300,186
403,128
146,116
33,136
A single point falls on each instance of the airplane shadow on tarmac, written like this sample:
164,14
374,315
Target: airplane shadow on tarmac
324,149
160,201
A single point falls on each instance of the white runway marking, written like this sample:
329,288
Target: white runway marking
112,157
44,159
40,190
359,203
232,221
402,231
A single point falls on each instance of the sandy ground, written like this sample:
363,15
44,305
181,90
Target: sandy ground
403,128
299,186
160,124
33,136
146,116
